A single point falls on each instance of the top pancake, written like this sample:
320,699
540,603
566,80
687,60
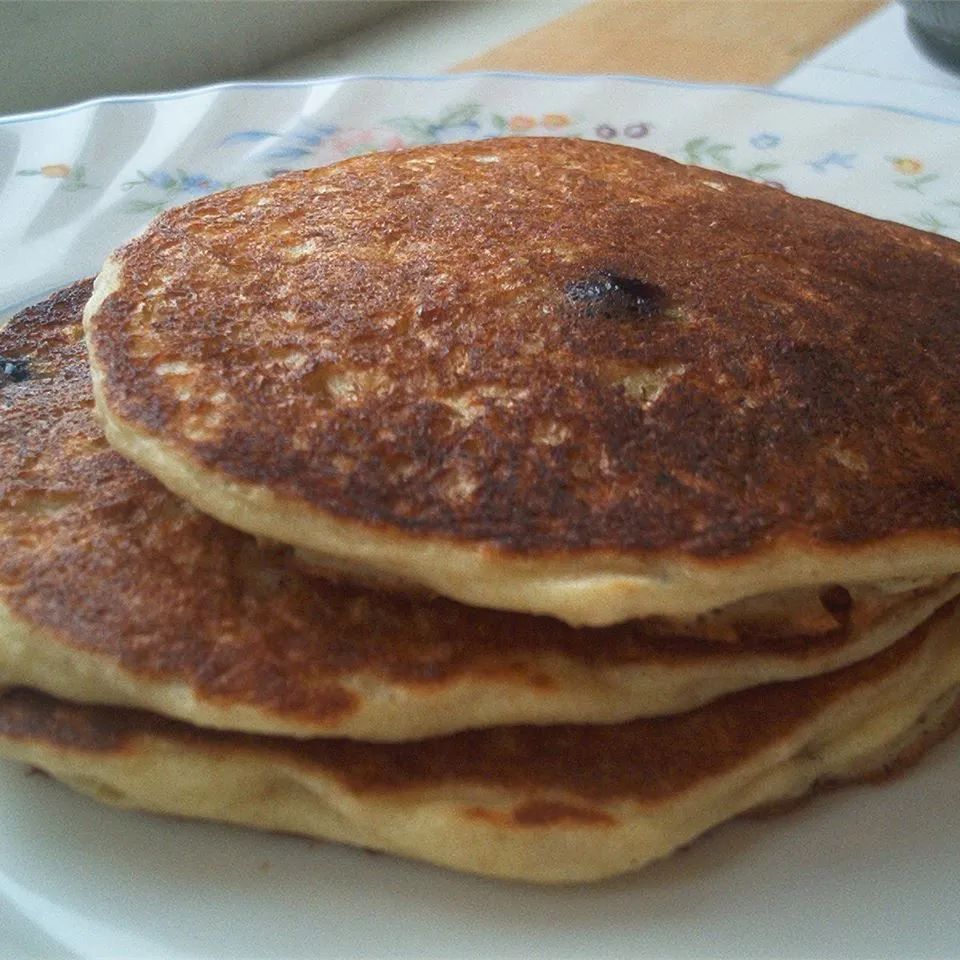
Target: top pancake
546,375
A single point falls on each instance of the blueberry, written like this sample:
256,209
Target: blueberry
16,371
610,293
836,600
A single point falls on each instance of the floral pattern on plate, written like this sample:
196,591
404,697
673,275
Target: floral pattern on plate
878,865
77,182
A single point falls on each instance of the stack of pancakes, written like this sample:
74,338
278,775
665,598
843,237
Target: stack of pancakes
525,506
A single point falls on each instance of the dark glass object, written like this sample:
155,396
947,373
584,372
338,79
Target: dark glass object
934,28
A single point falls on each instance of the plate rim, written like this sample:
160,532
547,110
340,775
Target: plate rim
258,86
187,92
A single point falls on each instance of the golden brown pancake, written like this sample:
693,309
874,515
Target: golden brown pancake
545,804
550,376
114,591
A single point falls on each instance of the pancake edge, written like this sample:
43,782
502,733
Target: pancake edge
583,588
552,689
472,828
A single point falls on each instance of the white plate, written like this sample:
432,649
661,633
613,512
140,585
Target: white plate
866,872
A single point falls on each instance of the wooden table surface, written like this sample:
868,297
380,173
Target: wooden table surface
733,41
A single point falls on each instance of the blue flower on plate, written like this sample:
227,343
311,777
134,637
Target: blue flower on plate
833,159
164,187
159,179
765,141
293,145
198,183
289,152
314,136
248,136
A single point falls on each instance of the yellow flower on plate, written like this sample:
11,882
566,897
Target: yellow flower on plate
56,171
907,165
554,120
521,123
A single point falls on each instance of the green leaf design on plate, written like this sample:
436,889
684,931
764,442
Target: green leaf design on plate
692,149
761,169
426,130
916,183
929,221
707,152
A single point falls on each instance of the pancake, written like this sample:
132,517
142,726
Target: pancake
543,804
114,591
547,376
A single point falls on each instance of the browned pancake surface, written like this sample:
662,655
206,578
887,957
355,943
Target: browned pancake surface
98,554
551,345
